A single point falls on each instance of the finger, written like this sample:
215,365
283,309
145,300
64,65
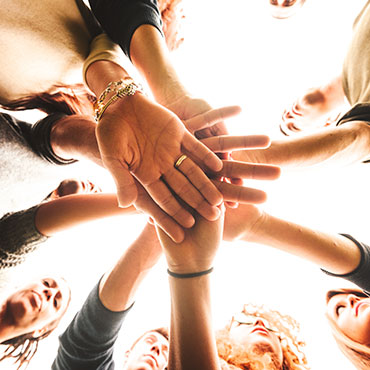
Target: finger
211,117
205,156
201,182
227,143
125,183
232,205
165,222
190,195
242,170
165,199
240,194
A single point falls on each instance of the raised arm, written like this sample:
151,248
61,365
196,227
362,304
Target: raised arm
340,145
333,252
88,341
72,210
192,340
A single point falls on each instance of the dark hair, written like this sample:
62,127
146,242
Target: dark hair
23,348
74,99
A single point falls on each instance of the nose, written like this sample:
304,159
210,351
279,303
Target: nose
47,293
155,348
259,322
352,299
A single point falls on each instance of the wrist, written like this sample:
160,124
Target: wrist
185,269
189,275
101,73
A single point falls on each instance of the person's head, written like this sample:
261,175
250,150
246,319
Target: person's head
73,186
308,113
149,351
282,9
261,339
348,312
32,313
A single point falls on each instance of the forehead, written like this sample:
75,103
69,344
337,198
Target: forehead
154,335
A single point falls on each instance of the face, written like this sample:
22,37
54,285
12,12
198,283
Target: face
37,305
285,8
149,353
307,113
352,316
255,334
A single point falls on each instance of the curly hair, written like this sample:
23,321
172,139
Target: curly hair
234,354
172,15
23,347
357,353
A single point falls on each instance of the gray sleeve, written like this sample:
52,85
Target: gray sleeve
361,275
88,341
18,237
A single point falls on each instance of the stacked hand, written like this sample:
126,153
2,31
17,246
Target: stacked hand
141,146
198,249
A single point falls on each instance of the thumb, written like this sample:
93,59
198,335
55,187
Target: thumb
125,183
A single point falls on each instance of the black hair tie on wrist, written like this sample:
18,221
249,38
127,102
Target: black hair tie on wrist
192,275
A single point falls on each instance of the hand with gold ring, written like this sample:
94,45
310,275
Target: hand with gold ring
143,143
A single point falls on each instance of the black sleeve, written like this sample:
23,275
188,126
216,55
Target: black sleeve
359,112
361,275
120,18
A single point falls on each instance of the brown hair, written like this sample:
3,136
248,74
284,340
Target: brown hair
74,99
293,356
162,331
357,353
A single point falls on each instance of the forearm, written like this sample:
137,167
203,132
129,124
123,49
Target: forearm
74,137
119,285
346,144
332,252
100,73
151,57
192,341
69,211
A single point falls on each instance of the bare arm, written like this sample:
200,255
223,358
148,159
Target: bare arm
69,211
191,327
342,145
119,285
192,341
151,57
333,252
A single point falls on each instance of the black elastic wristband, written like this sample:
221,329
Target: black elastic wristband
187,276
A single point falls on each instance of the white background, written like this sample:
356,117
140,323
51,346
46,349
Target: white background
236,53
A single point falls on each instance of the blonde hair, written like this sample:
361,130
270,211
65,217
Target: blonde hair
293,356
357,353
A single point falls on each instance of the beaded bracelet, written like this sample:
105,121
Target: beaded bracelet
191,275
121,88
